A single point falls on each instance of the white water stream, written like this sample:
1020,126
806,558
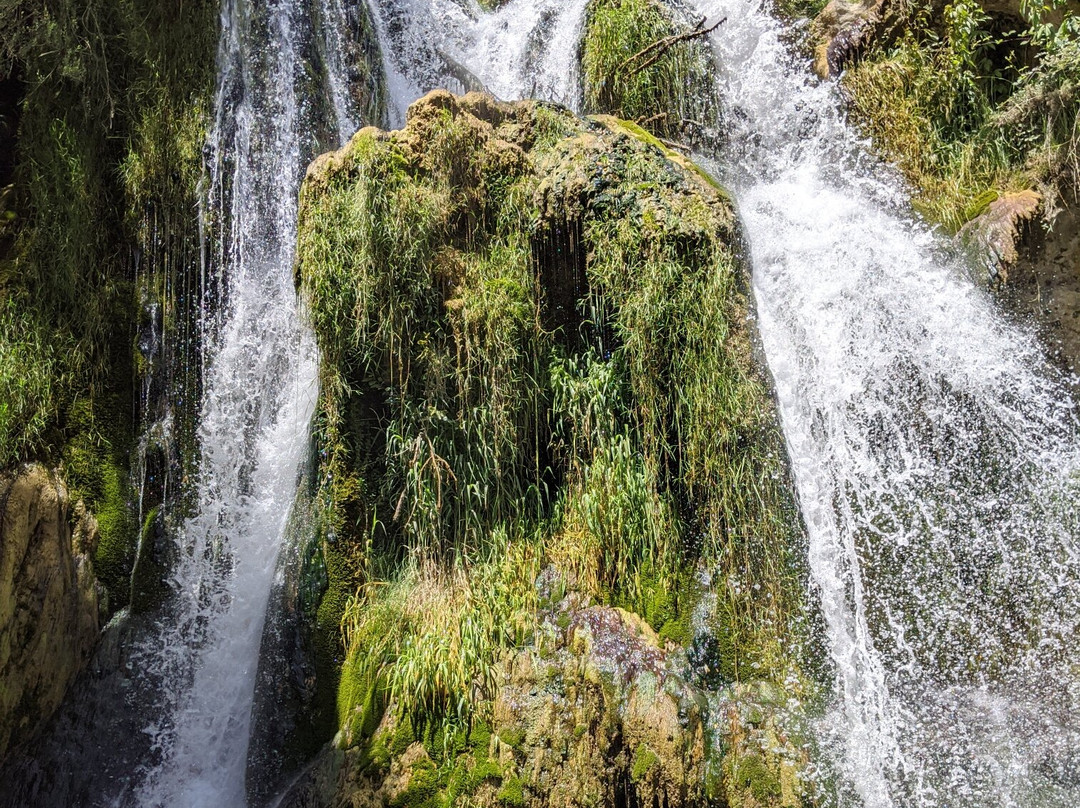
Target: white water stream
260,391
935,456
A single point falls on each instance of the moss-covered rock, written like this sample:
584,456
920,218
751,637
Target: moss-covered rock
598,714
539,393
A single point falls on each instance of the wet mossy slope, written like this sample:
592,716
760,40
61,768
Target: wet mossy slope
103,111
551,471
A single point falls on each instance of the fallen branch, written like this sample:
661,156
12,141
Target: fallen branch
662,46
643,122
671,144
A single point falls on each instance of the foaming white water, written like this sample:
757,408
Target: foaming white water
935,457
259,397
525,49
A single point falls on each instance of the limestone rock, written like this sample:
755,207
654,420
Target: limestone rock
49,616
596,713
995,232
1044,284
842,31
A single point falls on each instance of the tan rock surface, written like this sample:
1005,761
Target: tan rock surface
48,599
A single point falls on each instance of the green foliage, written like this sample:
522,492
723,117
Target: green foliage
662,96
966,104
96,467
28,375
799,9
428,639
512,792
1041,121
111,121
110,127
530,361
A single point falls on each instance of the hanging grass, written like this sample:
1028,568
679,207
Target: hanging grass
535,355
669,89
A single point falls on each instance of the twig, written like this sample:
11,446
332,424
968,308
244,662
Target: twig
650,119
671,144
662,46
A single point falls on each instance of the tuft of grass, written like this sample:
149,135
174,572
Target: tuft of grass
28,376
427,640
670,97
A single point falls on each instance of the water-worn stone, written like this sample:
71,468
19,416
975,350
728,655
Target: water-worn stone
48,599
1044,284
842,31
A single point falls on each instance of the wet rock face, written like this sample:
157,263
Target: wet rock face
48,599
601,718
842,32
1044,286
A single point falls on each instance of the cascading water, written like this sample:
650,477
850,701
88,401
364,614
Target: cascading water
934,451
525,49
260,392
935,455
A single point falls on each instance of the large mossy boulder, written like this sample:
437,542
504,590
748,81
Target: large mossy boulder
544,437
600,713
48,599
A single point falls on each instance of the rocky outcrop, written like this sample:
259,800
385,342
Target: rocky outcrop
1043,284
48,599
598,713
996,232
524,319
842,31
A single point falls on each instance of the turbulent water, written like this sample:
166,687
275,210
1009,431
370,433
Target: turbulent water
260,394
935,454
934,450
525,49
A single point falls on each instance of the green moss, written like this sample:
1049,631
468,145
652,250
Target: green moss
480,739
645,760
96,464
149,588
512,792
513,737
423,787
485,771
751,774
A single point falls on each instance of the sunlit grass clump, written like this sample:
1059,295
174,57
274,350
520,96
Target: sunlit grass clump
636,66
970,105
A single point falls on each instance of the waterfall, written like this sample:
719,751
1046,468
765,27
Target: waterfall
935,451
524,49
935,456
260,391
